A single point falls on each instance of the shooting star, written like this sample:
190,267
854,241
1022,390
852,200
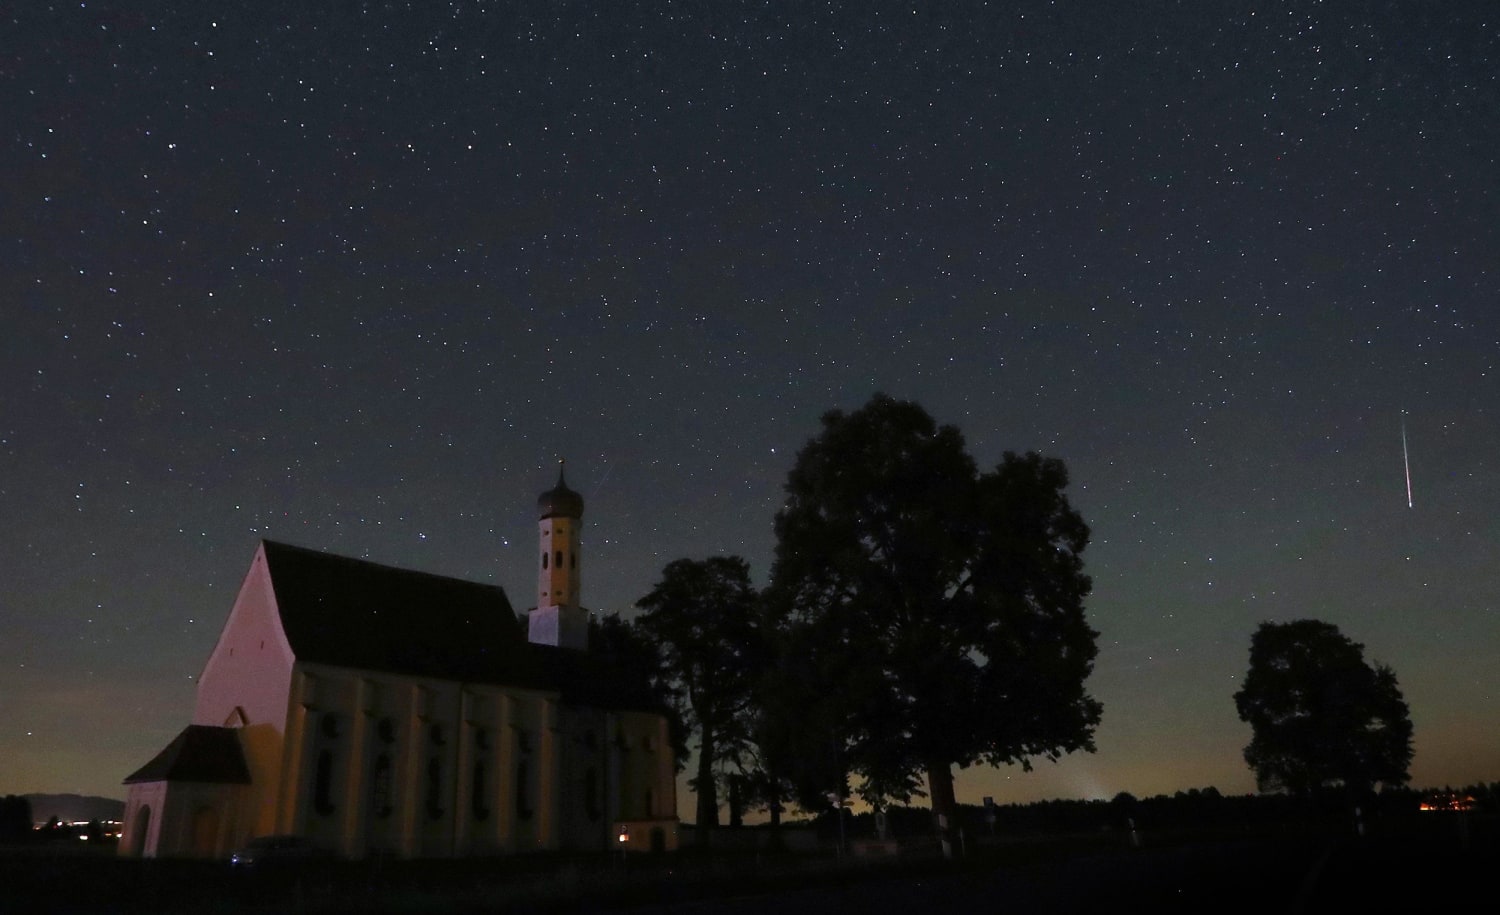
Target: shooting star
1405,459
600,485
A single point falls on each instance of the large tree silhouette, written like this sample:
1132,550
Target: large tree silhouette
702,616
1320,715
936,612
15,818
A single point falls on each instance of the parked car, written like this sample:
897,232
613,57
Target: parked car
262,851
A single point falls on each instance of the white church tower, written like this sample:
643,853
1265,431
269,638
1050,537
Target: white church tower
559,619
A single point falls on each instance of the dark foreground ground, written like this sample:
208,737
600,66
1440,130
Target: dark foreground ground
1437,865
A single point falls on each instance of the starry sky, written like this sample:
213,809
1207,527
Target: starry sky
354,276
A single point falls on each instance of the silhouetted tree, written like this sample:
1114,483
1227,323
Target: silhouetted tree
803,706
1320,715
937,612
53,831
703,617
15,818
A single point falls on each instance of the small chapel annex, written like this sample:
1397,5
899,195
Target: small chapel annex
376,710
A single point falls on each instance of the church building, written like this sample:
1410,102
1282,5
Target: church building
375,710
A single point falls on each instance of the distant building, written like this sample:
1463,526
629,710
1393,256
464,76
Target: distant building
376,710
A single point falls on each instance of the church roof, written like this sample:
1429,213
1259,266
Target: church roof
201,753
351,613
347,612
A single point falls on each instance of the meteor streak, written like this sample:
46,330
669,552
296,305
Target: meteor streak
1405,459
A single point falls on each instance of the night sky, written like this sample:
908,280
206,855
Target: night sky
355,276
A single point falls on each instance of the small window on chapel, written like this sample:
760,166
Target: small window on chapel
544,560
572,560
323,784
559,559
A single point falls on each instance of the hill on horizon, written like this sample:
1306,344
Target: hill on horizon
74,808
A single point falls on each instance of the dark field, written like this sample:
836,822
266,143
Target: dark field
1427,863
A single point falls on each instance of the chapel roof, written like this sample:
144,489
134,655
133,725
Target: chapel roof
346,612
201,753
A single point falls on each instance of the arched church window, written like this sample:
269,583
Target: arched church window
435,789
386,731
559,559
591,794
544,559
523,790
572,560
138,831
480,808
330,726
323,784
380,787
435,734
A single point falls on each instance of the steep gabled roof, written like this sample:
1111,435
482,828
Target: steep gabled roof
201,753
347,612
351,613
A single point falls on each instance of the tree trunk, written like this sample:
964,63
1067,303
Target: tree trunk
773,805
944,807
736,802
708,797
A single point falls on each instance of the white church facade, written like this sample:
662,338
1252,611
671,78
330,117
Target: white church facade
376,710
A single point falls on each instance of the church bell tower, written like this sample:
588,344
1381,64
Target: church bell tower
559,619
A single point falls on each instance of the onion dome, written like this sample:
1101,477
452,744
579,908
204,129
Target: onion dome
559,501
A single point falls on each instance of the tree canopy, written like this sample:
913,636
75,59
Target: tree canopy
702,615
932,613
1320,715
15,818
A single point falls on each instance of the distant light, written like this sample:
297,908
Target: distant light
1447,802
